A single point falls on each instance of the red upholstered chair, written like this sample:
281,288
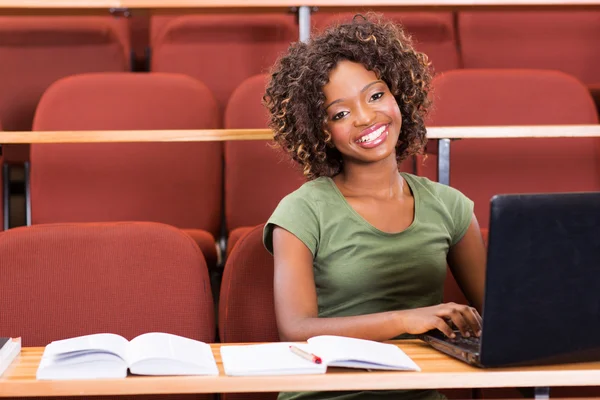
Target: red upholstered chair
246,309
433,33
257,176
64,280
561,40
38,50
221,50
174,183
483,168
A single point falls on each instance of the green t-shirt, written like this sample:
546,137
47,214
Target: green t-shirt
359,269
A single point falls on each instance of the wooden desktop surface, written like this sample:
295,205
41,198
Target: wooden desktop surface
438,371
472,132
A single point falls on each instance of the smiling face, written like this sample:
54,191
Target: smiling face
363,116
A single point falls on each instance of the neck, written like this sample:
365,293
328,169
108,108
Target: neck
379,179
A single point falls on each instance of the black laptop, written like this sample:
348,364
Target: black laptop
542,290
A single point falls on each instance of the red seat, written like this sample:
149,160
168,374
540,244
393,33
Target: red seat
36,51
482,168
65,280
561,40
246,309
433,33
257,176
174,183
221,50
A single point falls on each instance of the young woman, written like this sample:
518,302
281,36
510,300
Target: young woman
361,249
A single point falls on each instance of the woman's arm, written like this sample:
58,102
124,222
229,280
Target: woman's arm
297,311
467,260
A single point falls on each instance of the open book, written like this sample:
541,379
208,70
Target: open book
106,355
334,351
10,348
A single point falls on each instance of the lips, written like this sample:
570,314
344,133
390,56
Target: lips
373,136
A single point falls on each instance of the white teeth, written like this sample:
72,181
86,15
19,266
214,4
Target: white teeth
372,136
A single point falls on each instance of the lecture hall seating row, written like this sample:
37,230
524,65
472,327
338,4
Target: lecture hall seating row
143,277
223,50
217,190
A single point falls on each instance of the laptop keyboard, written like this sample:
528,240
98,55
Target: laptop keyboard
471,343
468,343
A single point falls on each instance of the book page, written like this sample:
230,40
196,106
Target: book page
167,354
342,351
267,359
84,357
96,343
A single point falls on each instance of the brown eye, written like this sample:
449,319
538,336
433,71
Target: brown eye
339,115
376,96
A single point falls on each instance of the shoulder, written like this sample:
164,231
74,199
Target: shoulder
306,196
298,213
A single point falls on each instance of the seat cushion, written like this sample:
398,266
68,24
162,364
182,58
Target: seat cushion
236,235
207,245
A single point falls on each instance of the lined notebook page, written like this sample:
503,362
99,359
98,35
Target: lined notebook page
358,353
267,359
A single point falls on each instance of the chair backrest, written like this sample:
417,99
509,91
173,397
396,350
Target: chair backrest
38,50
63,280
561,40
174,183
221,50
433,33
257,175
246,307
482,168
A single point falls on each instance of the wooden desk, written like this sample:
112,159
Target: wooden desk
438,371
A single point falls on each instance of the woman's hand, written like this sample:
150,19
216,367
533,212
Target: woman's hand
442,317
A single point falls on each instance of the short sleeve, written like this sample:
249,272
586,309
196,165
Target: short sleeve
460,208
297,214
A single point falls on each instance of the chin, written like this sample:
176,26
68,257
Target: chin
375,155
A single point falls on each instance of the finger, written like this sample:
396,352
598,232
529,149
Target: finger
443,327
461,322
479,320
471,317
477,315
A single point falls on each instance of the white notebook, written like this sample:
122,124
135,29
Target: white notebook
106,355
334,351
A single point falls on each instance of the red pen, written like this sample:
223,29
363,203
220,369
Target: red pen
306,355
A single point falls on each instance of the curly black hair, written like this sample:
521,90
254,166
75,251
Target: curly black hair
295,100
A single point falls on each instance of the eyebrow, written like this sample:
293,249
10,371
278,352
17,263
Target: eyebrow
362,91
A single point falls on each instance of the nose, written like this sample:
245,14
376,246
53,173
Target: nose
364,115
